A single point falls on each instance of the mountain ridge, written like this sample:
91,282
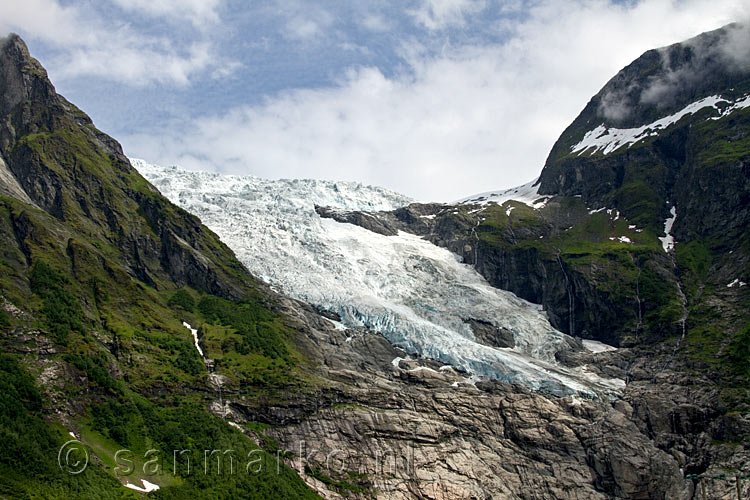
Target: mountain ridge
99,275
108,288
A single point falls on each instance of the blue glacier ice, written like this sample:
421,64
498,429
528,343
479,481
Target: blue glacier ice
414,293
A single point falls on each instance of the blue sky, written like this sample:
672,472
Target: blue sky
437,99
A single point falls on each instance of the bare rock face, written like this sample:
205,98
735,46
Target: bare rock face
385,427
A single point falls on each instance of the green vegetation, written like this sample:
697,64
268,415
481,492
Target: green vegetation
589,246
61,309
4,319
183,300
29,467
108,269
28,457
694,262
738,353
94,365
245,472
724,142
253,323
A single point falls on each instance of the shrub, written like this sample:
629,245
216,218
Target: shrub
260,334
183,300
61,310
738,353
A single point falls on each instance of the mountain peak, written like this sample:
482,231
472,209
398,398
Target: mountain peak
666,126
13,42
664,80
17,68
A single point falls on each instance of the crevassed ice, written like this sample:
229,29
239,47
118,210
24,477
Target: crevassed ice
608,139
413,292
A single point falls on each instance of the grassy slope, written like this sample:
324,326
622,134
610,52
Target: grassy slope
99,306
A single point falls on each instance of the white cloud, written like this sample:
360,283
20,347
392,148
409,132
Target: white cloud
375,22
199,12
300,28
439,14
88,44
472,119
302,21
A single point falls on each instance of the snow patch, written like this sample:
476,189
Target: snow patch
606,140
736,283
621,239
738,104
574,401
527,194
236,425
147,487
667,241
338,325
194,332
422,368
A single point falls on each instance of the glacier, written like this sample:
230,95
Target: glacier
417,295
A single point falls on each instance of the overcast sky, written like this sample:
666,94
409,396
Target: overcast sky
437,99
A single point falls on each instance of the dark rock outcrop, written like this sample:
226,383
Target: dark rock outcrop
52,157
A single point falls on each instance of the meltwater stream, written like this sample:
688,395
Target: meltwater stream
416,294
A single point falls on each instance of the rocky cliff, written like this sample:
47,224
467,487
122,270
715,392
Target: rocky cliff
664,142
101,275
591,242
98,273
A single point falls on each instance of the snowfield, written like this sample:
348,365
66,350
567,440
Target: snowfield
414,293
605,140
527,194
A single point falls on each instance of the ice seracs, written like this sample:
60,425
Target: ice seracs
417,295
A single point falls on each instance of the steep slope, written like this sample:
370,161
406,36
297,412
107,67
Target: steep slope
596,274
667,143
98,273
100,280
637,234
668,130
636,230
414,293
387,426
